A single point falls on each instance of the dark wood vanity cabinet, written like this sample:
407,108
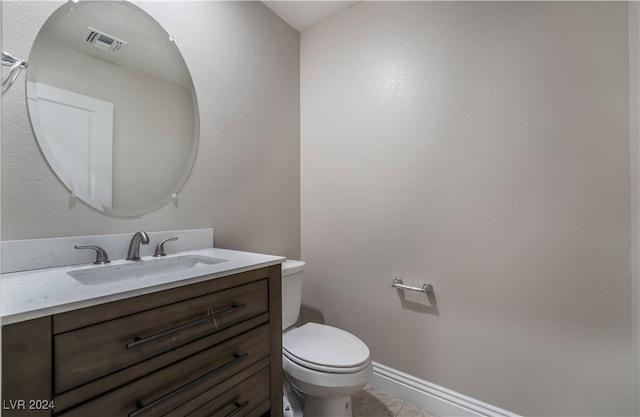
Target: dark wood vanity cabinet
207,349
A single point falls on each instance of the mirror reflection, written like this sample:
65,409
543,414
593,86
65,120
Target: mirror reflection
113,106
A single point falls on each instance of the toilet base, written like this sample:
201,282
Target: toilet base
325,407
291,401
297,405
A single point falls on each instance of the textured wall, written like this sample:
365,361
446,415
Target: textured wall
244,61
483,147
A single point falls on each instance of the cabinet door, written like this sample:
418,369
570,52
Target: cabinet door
26,368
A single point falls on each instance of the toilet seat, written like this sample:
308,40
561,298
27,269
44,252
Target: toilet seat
326,349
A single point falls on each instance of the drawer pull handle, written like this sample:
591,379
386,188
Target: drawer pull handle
237,409
144,408
142,340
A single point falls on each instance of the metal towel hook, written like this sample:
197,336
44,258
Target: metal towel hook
16,65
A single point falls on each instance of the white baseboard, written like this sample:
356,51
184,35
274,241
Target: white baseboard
432,398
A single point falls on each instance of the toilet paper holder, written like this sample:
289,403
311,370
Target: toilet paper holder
426,288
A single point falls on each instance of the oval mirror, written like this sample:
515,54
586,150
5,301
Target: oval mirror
113,107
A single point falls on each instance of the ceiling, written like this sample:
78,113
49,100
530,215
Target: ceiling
301,15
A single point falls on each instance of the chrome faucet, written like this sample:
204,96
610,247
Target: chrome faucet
134,247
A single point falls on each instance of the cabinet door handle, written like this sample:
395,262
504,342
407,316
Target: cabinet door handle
237,409
137,341
144,408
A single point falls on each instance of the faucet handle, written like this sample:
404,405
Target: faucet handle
160,247
101,254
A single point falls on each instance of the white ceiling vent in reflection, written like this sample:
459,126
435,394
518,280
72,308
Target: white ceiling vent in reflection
104,41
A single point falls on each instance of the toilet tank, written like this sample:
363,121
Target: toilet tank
292,272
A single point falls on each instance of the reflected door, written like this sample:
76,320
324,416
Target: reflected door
79,139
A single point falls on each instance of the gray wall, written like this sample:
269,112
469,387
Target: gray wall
483,147
634,130
244,61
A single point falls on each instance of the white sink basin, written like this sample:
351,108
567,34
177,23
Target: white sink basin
140,269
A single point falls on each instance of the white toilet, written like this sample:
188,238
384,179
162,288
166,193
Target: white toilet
323,365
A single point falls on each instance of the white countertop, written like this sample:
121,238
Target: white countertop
31,294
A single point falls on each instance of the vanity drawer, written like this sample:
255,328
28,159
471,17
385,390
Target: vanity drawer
181,383
86,354
242,400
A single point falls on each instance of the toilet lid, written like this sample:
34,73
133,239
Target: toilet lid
325,348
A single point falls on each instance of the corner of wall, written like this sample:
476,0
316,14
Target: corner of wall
634,138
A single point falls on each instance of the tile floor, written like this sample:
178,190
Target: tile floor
371,402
